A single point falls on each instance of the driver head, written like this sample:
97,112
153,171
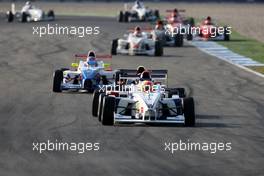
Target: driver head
28,3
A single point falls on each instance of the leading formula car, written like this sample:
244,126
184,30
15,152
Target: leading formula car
87,75
146,100
29,13
138,12
137,43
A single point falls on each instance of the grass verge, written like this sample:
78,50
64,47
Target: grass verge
245,46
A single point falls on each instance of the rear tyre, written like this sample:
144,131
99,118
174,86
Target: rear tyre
96,95
10,16
51,14
126,17
88,85
114,47
226,35
121,17
157,14
108,110
100,106
189,112
24,17
57,80
158,48
178,40
189,35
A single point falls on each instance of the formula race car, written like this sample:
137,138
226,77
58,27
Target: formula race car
208,30
29,13
137,43
145,100
86,75
176,27
138,12
163,34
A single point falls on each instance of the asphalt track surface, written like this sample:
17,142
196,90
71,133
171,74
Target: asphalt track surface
229,107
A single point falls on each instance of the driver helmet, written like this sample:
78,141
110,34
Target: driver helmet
159,24
91,59
208,20
175,13
140,70
28,3
137,31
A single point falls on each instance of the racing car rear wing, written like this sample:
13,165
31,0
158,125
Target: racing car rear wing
179,10
106,56
131,74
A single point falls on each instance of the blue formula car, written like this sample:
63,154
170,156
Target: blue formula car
88,74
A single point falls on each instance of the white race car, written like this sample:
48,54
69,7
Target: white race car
137,44
87,74
29,13
146,100
138,12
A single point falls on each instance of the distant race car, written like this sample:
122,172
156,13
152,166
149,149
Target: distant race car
29,13
147,101
163,34
87,75
138,12
208,30
137,43
176,28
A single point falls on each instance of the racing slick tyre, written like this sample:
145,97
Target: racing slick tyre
57,79
189,113
157,14
177,91
10,16
226,35
189,35
24,17
178,40
158,48
96,95
114,47
126,17
100,105
108,110
121,16
51,14
88,85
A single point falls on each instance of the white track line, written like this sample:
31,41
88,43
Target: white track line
221,52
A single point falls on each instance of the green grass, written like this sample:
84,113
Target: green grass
245,46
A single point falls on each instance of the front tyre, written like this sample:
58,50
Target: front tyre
108,110
158,48
189,112
9,16
178,40
57,80
96,95
114,47
121,16
24,17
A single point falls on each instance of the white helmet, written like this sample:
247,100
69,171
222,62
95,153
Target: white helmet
28,3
